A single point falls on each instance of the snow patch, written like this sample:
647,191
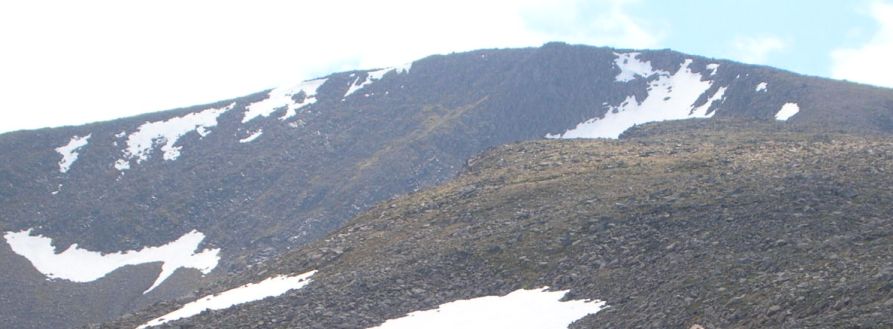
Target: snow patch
630,66
712,67
282,97
376,75
521,309
122,164
80,265
271,287
787,111
670,97
69,152
403,68
166,133
762,87
701,111
358,84
252,137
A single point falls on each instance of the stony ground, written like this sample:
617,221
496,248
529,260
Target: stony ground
764,227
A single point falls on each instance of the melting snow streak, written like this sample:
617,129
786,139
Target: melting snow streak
521,309
271,287
79,265
252,137
69,152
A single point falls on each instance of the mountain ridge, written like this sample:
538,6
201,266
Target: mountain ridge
319,157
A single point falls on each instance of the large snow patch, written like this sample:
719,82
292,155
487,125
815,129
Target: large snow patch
80,265
521,309
670,97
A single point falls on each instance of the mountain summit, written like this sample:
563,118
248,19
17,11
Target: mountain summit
108,218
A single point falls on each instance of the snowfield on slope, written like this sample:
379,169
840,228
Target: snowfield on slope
141,142
521,309
670,97
271,287
80,265
713,67
69,152
284,97
373,76
631,67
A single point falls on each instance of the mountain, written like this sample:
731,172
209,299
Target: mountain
721,224
108,218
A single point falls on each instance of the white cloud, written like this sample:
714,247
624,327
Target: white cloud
756,50
69,62
870,62
601,23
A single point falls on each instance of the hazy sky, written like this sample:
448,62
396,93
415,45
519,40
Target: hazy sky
73,62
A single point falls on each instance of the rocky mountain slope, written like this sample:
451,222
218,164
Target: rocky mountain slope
680,225
186,197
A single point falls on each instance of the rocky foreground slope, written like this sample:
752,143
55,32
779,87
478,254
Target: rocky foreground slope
719,224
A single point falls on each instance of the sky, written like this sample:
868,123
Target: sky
73,62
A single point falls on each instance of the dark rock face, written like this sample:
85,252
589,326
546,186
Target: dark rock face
310,172
686,227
